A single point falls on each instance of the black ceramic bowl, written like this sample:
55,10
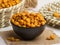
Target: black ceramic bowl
28,33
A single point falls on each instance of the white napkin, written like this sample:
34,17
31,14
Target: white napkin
56,44
2,42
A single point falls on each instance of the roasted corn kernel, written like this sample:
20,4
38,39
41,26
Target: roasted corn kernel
13,39
51,37
49,9
56,14
28,20
8,3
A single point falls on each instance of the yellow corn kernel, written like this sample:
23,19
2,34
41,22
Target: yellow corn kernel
0,1
7,5
16,23
32,25
49,9
3,5
21,21
28,19
12,20
56,14
52,36
12,38
5,1
43,23
17,1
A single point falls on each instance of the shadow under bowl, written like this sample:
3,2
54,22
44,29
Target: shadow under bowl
28,33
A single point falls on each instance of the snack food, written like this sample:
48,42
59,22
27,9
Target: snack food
51,37
26,19
13,39
56,14
49,9
7,11
8,3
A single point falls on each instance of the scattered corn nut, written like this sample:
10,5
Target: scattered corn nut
51,37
